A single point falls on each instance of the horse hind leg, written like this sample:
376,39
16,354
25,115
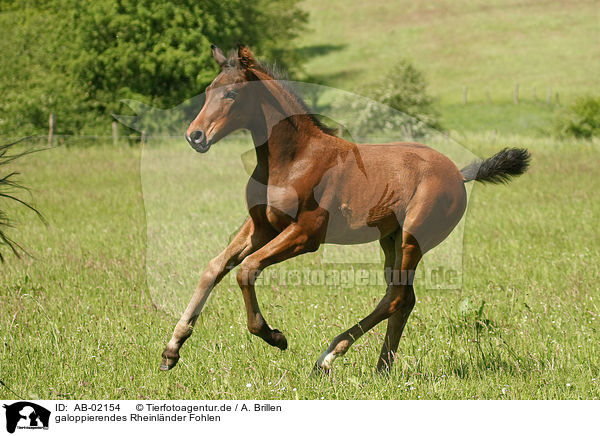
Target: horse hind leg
425,226
409,255
399,298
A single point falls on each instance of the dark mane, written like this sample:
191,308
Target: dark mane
277,73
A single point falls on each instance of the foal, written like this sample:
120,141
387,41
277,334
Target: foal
310,187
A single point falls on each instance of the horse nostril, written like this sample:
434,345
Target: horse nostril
197,136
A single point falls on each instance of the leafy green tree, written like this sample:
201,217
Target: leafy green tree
102,51
31,82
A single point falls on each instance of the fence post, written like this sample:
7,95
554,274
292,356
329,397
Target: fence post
51,123
115,133
465,94
557,99
143,137
516,94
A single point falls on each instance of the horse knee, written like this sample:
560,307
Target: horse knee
311,245
214,269
404,301
248,271
306,243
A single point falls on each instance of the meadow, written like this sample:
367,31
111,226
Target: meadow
81,317
487,46
88,312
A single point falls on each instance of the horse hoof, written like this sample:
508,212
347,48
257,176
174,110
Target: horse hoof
384,371
168,362
319,371
384,368
279,340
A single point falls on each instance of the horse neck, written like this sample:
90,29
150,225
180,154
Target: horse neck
278,140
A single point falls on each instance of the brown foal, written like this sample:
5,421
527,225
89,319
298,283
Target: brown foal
310,187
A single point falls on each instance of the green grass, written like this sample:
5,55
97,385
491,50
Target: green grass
487,46
88,315
82,319
530,118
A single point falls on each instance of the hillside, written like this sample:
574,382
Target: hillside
487,46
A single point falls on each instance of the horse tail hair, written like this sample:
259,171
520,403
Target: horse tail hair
500,168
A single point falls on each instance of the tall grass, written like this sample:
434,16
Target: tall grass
79,318
10,187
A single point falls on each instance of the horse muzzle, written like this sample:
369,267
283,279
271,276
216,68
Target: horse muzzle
197,139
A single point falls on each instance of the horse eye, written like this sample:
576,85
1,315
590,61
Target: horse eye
231,94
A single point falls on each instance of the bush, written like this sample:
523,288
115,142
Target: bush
400,104
405,90
581,119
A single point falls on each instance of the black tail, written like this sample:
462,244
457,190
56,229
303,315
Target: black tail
499,168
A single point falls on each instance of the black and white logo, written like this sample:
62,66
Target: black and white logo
26,415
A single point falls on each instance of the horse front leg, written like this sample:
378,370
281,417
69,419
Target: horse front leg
248,239
291,242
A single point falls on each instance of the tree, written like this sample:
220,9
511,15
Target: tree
103,51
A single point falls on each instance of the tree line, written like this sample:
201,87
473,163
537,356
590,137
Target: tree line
79,59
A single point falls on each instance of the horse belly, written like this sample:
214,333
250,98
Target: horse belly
347,227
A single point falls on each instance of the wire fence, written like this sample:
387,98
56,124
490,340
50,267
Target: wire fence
67,140
518,96
141,138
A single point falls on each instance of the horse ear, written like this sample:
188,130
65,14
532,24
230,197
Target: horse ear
246,57
218,55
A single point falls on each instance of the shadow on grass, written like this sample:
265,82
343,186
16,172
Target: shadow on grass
310,51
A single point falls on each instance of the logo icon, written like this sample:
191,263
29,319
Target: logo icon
26,415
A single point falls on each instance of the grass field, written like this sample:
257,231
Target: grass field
87,315
488,46
80,320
